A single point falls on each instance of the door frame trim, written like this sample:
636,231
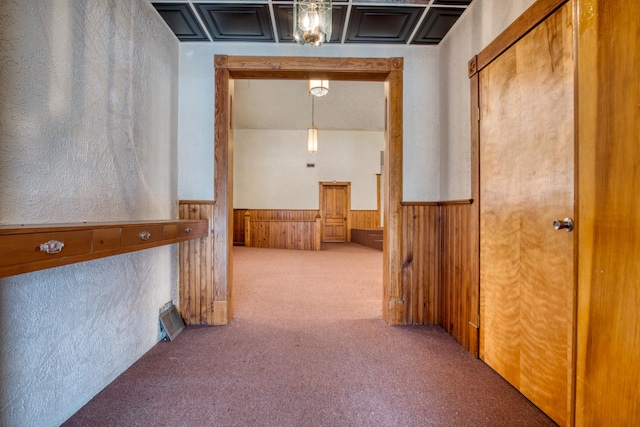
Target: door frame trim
386,70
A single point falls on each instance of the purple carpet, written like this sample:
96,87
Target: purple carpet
308,347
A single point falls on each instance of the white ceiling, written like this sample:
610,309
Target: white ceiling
286,105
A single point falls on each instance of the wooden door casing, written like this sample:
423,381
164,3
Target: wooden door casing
334,210
527,277
389,71
608,332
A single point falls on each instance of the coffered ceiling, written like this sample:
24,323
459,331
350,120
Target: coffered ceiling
416,22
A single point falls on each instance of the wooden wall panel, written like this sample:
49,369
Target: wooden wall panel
238,226
358,218
420,263
440,267
267,215
365,219
459,273
196,288
275,234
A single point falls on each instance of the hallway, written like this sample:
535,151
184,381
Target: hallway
308,347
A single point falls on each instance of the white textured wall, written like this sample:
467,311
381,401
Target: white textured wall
421,129
270,170
88,98
478,26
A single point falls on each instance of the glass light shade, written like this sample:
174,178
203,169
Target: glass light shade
318,87
312,140
312,21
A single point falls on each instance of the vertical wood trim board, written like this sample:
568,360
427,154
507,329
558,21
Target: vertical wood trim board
223,193
196,292
608,230
393,309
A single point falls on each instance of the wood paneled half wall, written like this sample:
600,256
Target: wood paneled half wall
440,267
289,228
200,302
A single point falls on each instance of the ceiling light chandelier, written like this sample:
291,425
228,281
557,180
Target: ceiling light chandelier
312,21
312,133
318,87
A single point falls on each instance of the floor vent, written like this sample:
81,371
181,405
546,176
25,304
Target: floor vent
171,323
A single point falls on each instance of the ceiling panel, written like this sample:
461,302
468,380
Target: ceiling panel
379,24
182,21
359,21
436,25
237,22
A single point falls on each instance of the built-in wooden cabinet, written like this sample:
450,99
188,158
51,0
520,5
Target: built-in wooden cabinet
26,248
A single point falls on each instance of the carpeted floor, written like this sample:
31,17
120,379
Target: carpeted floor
308,347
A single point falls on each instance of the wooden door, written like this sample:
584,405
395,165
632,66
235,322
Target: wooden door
526,182
334,205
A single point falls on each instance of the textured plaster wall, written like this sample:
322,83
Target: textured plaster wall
421,128
478,26
88,100
271,172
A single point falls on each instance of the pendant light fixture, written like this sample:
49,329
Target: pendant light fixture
312,133
312,21
318,87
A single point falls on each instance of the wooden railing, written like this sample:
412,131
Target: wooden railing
358,219
268,214
304,234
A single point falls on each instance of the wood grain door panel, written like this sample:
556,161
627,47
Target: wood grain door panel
526,182
334,211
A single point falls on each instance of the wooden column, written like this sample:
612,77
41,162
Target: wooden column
393,303
223,194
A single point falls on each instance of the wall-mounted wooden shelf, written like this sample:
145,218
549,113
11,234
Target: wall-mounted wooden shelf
26,248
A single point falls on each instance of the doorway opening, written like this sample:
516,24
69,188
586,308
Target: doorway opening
389,71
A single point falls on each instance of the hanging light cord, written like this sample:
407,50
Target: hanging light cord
312,109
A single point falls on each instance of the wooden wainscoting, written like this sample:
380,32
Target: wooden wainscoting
357,219
282,234
459,273
364,219
420,263
238,226
440,267
266,228
196,288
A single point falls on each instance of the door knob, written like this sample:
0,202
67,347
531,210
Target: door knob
565,224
